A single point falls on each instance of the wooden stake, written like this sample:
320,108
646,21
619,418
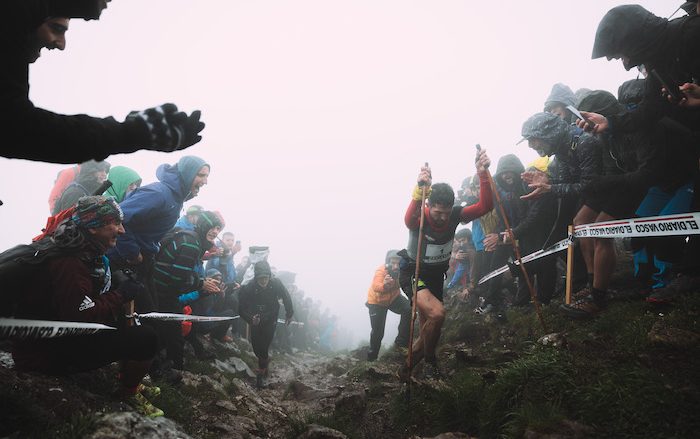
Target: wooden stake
569,266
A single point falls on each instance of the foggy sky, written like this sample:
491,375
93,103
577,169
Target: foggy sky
319,113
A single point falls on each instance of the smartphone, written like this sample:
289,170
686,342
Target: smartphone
578,114
671,89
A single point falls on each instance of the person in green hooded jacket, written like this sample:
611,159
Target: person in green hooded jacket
124,180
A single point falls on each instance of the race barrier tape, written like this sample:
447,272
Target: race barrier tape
559,246
665,225
181,317
33,329
291,323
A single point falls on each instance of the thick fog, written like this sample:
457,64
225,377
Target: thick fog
319,113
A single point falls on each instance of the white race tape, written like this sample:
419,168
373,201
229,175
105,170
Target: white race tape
183,317
559,246
666,225
22,328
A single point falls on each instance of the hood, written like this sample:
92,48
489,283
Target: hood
88,169
391,254
509,163
548,127
560,94
121,177
601,102
188,167
580,94
168,175
634,32
631,92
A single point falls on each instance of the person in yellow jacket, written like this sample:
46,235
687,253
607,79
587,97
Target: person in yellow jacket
384,295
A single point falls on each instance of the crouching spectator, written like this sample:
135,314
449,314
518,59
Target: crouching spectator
75,285
385,295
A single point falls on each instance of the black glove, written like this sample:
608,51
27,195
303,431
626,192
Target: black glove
169,128
129,289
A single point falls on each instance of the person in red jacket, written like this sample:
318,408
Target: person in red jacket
76,285
384,295
441,220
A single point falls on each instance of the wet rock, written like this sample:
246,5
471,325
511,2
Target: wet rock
354,403
450,436
227,405
555,339
6,360
319,432
673,337
128,425
566,429
234,365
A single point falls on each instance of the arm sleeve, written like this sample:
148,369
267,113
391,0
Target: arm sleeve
533,219
74,296
286,300
187,298
245,305
378,282
588,153
138,209
485,203
412,216
176,264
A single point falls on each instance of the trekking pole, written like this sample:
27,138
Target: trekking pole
516,248
414,291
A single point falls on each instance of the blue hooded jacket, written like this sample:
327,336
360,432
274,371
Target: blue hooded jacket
152,210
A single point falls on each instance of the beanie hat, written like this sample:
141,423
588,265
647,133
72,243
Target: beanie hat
207,221
601,102
546,126
213,272
188,167
96,211
194,209
262,268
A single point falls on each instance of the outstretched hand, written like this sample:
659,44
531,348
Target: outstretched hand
600,121
535,176
691,95
539,190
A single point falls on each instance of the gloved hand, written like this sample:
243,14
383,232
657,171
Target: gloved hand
129,289
169,128
418,192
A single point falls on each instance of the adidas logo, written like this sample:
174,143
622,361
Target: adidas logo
87,304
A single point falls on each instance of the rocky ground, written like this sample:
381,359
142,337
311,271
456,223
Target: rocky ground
632,372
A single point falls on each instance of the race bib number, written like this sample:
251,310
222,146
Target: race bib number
438,252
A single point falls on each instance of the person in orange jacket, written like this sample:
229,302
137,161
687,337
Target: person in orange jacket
384,295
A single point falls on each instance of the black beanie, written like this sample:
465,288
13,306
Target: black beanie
262,268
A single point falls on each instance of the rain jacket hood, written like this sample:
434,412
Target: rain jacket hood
548,127
601,102
509,163
560,94
121,177
631,92
634,32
